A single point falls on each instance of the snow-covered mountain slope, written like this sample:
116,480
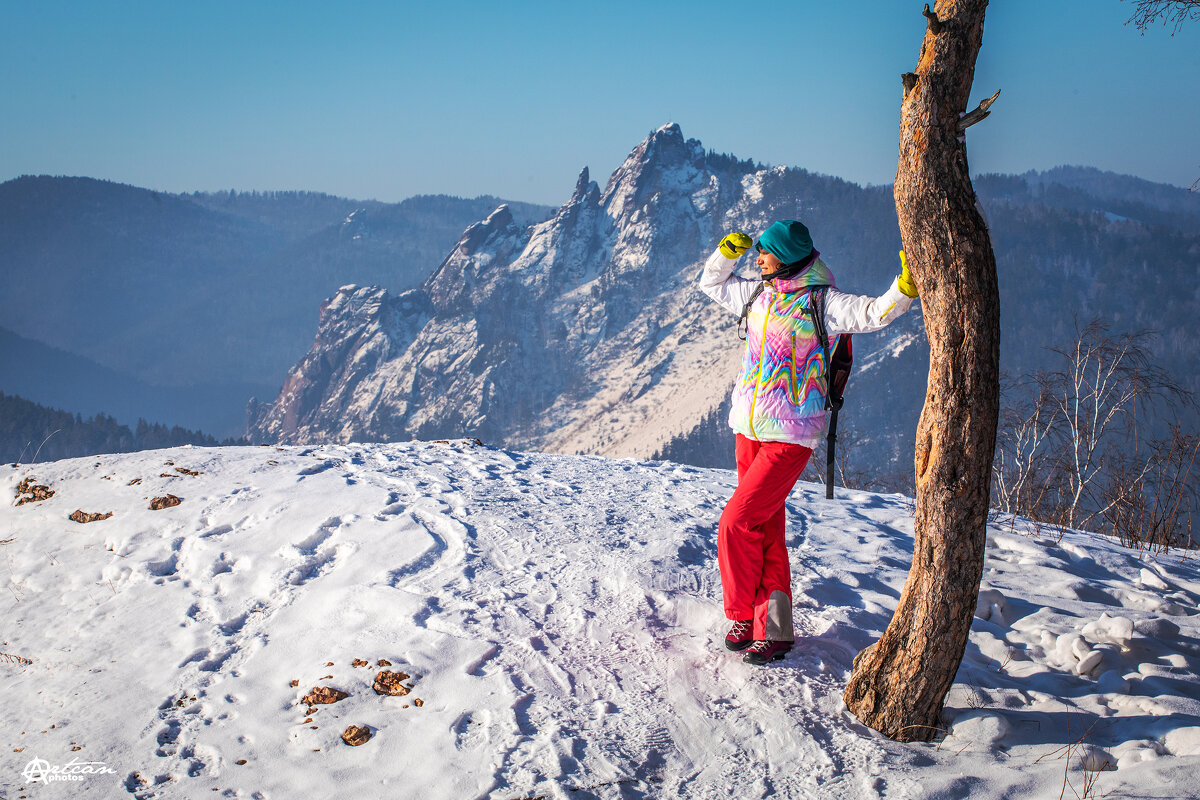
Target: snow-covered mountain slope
582,334
560,624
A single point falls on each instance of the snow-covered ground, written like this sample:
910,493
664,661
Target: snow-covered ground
559,619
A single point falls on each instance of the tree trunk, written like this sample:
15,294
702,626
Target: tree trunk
900,683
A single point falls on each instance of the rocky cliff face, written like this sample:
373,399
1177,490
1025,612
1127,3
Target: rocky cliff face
362,331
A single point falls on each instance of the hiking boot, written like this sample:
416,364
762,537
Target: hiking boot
739,636
763,651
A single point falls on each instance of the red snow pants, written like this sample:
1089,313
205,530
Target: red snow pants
756,578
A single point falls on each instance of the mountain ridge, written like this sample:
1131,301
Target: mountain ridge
608,275
585,333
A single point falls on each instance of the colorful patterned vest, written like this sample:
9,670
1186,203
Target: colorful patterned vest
780,394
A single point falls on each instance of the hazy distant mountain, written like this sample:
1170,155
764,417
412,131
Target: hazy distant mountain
212,293
585,333
57,378
300,214
1130,257
1082,188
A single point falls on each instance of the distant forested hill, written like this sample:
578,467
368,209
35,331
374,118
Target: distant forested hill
30,432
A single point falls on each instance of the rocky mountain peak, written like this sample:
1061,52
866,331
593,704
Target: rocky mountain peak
470,264
663,160
476,236
581,185
586,193
525,318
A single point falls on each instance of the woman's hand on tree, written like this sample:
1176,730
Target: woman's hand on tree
905,281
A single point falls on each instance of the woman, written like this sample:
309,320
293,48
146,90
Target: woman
778,413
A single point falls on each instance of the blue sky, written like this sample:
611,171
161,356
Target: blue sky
385,100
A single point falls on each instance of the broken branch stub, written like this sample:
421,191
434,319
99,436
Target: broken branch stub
977,114
935,25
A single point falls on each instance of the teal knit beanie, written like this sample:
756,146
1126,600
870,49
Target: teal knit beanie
788,240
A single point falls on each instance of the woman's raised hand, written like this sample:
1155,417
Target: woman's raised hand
735,244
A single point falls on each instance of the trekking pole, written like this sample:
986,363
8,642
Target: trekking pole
831,443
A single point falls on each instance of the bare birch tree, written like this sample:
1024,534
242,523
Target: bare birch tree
1025,456
1103,383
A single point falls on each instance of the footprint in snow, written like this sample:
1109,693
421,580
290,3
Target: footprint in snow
316,469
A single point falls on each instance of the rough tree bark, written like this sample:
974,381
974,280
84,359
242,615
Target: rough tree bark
900,683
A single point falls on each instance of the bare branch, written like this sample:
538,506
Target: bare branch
1173,13
1149,502
971,117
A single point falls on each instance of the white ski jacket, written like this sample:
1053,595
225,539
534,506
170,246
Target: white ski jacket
844,312
780,394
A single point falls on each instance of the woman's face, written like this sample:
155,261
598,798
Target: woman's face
768,263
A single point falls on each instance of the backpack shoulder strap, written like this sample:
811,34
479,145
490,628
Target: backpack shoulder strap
817,304
744,320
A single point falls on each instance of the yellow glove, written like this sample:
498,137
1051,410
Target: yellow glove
905,281
734,245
